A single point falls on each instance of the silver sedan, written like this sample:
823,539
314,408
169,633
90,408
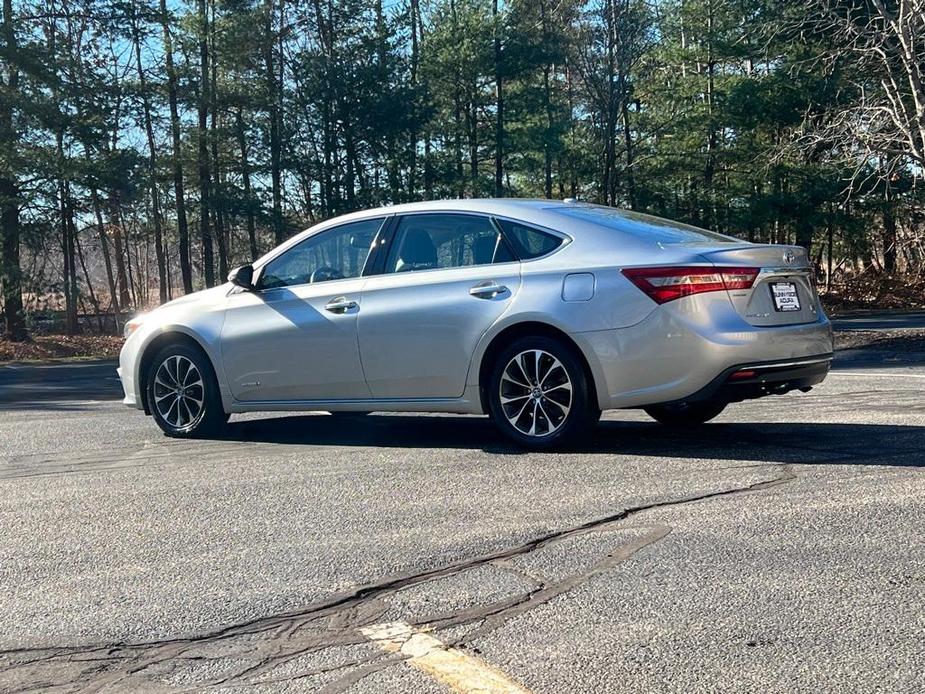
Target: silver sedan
538,313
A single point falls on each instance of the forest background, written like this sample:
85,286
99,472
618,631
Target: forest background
148,146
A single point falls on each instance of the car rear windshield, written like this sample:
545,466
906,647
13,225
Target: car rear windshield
643,225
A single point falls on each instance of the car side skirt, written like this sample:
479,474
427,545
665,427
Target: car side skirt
470,403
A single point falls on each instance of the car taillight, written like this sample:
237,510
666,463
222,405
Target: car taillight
663,284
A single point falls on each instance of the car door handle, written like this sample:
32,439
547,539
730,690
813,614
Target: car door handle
341,305
487,290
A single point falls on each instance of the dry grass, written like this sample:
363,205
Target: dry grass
49,347
907,340
44,347
875,292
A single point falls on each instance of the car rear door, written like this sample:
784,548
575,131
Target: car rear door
447,277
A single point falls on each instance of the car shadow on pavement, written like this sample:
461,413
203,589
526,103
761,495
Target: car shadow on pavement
798,442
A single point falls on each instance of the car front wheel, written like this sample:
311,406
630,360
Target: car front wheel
539,395
183,394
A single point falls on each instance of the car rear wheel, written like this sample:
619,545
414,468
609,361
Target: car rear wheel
685,414
183,394
539,395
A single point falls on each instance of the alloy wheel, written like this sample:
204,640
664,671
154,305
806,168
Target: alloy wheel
536,393
179,393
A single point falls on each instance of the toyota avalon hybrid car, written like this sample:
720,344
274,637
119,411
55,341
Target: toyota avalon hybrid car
538,313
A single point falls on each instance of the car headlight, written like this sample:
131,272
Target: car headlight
131,326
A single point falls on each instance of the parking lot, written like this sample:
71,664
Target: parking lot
777,549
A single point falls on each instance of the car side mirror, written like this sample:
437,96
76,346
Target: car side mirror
242,277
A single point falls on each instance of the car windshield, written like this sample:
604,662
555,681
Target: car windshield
643,225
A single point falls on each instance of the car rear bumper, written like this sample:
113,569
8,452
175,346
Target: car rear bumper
749,381
683,352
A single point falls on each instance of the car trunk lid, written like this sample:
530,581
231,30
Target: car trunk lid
782,293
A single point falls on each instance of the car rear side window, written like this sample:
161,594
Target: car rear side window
432,241
527,241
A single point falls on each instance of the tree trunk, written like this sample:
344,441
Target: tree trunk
186,270
275,117
889,237
830,238
115,225
218,192
415,12
14,324
152,162
428,170
457,141
570,91
107,258
609,177
65,210
70,265
804,235
547,108
205,176
889,218
499,102
349,157
83,264
472,125
457,118
710,167
628,145
246,179
547,138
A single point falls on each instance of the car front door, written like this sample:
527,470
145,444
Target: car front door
295,336
446,279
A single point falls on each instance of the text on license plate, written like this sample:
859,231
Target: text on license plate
785,296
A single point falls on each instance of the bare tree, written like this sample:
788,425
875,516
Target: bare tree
157,217
179,194
883,42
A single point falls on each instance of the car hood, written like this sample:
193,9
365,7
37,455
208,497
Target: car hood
205,295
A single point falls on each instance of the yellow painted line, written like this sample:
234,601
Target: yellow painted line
457,670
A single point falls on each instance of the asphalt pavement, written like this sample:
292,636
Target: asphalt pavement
898,320
776,549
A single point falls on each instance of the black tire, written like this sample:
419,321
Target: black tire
685,414
210,419
553,428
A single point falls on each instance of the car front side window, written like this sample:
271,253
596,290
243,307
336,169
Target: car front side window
335,254
440,241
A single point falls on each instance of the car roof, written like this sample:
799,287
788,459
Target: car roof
596,224
498,206
528,210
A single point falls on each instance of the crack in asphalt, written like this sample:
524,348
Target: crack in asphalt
261,646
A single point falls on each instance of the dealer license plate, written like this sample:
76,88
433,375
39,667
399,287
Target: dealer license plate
785,296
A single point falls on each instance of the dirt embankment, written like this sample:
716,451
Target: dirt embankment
45,347
908,340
